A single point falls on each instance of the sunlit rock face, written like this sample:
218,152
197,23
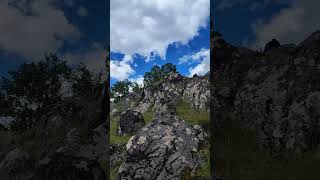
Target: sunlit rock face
173,88
163,149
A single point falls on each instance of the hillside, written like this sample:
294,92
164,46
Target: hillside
266,104
172,136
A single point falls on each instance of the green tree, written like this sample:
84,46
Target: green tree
136,88
168,68
34,89
86,84
156,73
120,90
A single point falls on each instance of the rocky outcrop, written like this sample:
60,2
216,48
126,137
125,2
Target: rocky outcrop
271,45
273,93
16,162
130,122
197,93
116,153
61,166
164,149
173,88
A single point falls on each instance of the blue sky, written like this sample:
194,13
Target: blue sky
252,23
76,30
170,32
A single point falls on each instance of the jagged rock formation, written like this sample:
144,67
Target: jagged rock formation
164,149
173,88
16,162
197,91
275,93
60,166
272,45
130,122
69,142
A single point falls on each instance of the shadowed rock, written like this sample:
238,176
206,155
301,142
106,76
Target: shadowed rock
130,122
64,167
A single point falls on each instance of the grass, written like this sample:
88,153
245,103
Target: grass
203,172
191,117
115,139
239,158
185,112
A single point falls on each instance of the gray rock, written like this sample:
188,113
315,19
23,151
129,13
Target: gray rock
163,149
59,166
130,122
16,162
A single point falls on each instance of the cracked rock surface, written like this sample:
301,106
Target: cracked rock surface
163,149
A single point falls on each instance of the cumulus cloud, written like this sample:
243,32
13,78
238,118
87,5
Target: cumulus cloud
197,57
121,69
202,58
138,80
31,28
82,11
290,25
146,26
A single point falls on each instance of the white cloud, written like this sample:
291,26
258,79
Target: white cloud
82,11
32,28
121,69
146,26
203,56
197,57
138,80
290,25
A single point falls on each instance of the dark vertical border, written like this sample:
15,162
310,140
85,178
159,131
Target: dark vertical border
212,165
107,86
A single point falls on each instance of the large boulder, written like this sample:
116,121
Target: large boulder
130,122
164,149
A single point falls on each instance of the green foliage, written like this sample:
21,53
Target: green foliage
34,89
136,88
203,172
86,84
120,90
157,74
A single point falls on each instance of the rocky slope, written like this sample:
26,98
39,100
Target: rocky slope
175,87
275,93
69,142
167,147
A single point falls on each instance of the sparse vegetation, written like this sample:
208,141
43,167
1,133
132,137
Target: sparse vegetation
237,156
185,112
192,117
